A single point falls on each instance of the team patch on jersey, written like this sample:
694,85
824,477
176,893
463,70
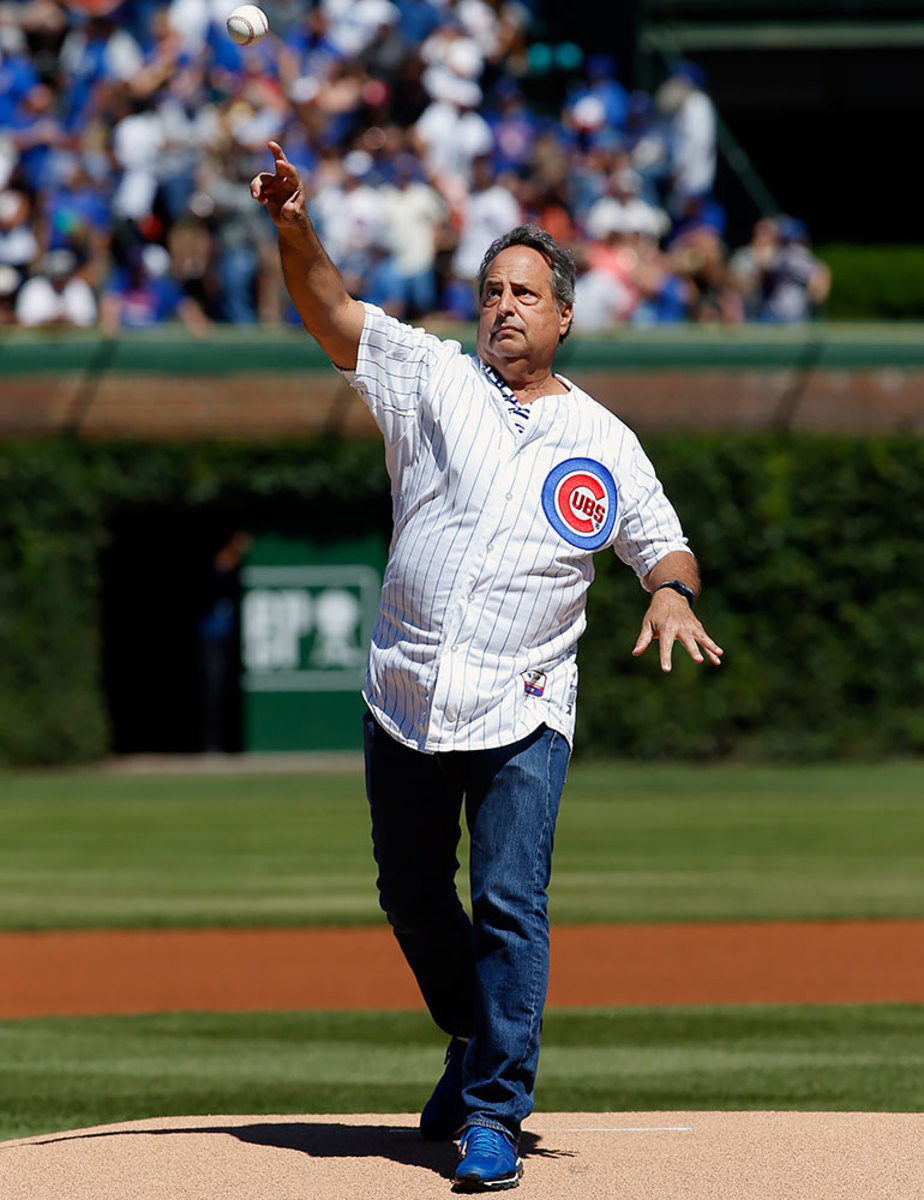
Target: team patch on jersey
579,499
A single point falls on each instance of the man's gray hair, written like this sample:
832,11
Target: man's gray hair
561,263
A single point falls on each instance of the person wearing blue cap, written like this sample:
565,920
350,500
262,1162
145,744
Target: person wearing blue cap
691,135
601,73
795,283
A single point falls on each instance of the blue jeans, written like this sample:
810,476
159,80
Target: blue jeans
483,978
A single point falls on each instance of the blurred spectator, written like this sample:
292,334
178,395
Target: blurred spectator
35,132
18,244
691,136
218,638
9,283
489,209
137,144
451,133
355,25
96,53
608,250
17,73
748,265
240,230
647,146
697,254
355,226
664,296
545,203
56,295
603,300
190,245
621,207
44,24
600,102
75,215
189,125
513,126
417,216
794,282
309,52
417,19
140,294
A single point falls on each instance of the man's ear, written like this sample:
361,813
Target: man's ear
566,316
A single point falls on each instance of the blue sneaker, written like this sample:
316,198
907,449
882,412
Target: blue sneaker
488,1161
444,1113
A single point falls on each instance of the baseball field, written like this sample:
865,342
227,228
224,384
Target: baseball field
725,938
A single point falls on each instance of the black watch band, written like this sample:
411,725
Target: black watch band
687,592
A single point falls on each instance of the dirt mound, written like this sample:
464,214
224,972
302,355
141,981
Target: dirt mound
591,1156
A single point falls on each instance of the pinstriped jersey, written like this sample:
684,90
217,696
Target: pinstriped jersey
495,527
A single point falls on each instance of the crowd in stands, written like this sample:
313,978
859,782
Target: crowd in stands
129,134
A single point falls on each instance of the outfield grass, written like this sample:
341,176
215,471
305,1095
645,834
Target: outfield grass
635,843
72,1073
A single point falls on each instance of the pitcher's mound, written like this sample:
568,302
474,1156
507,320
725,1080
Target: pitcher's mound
590,1156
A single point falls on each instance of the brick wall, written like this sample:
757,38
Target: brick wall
252,405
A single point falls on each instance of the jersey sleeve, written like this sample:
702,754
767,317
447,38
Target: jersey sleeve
394,363
649,527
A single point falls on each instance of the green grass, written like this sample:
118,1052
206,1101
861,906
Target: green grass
635,843
94,848
73,1073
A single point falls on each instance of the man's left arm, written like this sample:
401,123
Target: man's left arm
670,617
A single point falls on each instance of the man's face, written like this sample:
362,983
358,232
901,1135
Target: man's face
519,317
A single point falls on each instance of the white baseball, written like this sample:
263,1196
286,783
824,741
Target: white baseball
248,25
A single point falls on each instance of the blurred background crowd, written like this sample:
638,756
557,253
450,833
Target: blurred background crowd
129,134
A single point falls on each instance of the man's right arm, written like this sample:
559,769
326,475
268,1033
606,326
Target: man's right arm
329,313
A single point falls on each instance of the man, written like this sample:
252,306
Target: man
505,479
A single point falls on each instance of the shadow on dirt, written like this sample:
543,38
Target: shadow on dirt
400,1144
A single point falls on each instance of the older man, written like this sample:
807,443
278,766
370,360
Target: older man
505,479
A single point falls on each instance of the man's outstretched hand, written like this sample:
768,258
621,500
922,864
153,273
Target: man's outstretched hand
670,619
280,192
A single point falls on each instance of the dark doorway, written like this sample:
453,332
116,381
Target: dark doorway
171,656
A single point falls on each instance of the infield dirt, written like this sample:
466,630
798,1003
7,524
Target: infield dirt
130,971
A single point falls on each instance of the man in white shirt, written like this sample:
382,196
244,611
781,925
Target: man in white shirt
57,295
691,124
416,215
489,209
505,479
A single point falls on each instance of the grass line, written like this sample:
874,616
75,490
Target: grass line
69,1073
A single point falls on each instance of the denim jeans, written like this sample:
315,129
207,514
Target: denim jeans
483,978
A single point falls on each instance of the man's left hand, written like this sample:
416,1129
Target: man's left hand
670,619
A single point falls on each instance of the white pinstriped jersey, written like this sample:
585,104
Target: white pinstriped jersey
494,532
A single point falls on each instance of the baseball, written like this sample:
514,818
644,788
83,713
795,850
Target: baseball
248,25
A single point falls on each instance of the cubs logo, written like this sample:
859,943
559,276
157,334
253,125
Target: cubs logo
579,500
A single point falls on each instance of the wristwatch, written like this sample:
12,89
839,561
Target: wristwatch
687,592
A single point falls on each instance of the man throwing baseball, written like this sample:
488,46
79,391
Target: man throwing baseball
506,478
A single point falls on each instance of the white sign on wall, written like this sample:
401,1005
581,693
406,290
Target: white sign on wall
307,628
